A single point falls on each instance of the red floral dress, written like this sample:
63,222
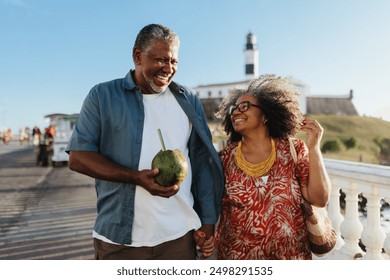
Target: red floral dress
261,217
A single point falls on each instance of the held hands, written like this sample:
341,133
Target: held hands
313,131
204,245
146,180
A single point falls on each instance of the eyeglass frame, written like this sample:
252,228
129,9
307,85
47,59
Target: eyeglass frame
232,108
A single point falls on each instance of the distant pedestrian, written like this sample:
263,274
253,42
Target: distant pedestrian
23,136
45,147
7,136
36,134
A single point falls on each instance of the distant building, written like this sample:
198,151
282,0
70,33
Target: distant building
331,105
212,94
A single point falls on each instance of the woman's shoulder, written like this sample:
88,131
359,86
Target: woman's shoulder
298,143
285,145
228,149
295,141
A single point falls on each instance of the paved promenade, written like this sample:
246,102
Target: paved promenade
45,212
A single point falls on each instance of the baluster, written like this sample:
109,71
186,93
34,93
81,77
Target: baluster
373,235
336,218
386,244
334,212
351,228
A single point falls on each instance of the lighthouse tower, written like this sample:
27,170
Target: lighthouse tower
251,54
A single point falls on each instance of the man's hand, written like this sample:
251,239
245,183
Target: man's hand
146,180
204,240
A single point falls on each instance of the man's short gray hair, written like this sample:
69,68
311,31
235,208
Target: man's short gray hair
153,32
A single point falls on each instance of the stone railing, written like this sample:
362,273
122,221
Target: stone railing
355,230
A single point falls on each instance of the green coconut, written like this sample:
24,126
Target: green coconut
172,164
173,167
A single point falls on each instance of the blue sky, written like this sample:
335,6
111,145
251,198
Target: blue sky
53,52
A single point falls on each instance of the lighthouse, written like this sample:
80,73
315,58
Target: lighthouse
251,54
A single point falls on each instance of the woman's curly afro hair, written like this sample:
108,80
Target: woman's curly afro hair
278,100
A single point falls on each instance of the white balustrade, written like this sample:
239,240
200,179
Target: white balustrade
373,183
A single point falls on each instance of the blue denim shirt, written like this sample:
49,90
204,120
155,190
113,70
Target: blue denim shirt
111,123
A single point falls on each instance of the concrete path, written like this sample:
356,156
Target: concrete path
45,212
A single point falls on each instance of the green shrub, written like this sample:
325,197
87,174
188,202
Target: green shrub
384,150
349,143
330,146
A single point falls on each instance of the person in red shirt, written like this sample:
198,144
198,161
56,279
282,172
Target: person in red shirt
261,214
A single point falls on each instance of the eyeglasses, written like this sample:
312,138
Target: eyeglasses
242,107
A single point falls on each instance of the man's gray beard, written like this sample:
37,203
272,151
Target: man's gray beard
156,91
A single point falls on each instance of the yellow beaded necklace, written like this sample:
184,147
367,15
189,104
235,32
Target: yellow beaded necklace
255,169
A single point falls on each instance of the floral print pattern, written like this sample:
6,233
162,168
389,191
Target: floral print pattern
261,216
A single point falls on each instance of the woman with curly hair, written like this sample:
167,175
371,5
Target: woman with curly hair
261,212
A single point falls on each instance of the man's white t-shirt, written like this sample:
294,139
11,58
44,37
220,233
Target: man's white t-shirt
159,219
